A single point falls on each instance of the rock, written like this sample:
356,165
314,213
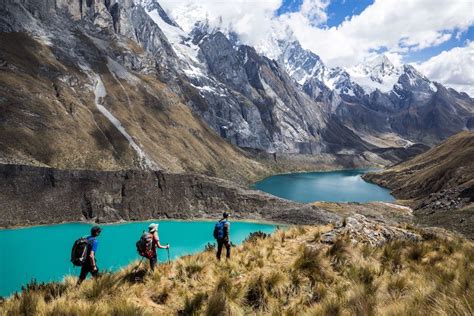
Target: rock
45,196
361,229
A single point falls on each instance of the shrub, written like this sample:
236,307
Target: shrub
274,283
217,304
162,297
331,307
416,252
254,236
210,247
28,303
310,264
124,308
101,286
193,306
73,309
362,303
397,287
49,291
392,256
256,296
338,253
193,269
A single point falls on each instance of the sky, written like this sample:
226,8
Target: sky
436,36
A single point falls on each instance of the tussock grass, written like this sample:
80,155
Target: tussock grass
287,273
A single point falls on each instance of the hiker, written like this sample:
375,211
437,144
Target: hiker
221,234
90,263
152,241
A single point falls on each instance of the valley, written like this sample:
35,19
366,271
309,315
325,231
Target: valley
118,112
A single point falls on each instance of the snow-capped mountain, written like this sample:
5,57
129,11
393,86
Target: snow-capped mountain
274,97
377,73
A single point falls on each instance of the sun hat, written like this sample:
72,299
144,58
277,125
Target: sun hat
153,227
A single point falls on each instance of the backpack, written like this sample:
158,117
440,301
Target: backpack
145,245
79,251
219,229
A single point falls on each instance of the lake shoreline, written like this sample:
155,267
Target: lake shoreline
158,220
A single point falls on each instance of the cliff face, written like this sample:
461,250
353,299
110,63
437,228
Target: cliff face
94,87
34,195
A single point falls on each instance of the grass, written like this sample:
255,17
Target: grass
287,273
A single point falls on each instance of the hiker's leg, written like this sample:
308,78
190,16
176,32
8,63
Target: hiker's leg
227,247
220,243
83,275
153,262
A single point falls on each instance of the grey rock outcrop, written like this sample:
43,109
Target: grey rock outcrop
34,195
359,228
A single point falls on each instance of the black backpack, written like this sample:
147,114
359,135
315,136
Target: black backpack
79,251
145,244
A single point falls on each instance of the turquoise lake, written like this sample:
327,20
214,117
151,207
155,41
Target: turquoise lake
331,186
43,252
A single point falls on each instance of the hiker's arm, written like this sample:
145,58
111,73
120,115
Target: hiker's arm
226,230
92,256
161,246
157,241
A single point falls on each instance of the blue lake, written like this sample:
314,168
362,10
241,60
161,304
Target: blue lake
43,252
331,186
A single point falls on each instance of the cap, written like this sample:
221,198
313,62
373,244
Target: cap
225,215
153,227
95,230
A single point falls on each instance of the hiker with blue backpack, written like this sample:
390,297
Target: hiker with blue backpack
221,234
83,254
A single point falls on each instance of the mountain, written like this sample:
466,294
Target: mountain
94,85
385,105
439,183
125,79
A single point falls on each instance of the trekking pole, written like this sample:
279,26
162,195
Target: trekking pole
136,268
169,262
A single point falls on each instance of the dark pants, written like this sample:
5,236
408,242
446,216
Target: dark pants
220,243
153,260
85,269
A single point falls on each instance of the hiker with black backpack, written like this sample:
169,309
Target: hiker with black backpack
83,254
221,234
148,243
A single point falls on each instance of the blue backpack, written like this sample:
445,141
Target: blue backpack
219,229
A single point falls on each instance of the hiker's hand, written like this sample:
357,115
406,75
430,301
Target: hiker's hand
168,246
94,268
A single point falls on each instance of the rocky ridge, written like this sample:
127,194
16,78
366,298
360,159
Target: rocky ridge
438,184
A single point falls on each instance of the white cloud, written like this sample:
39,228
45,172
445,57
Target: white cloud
315,11
250,19
400,26
453,68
